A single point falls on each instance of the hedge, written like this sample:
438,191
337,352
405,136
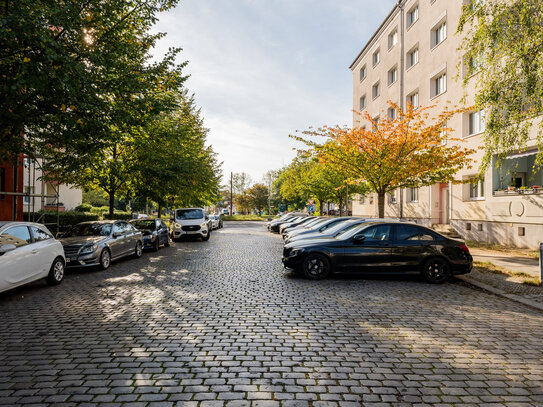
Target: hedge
70,218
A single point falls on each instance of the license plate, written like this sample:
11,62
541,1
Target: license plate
67,259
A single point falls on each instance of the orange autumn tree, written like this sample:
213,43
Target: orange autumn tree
397,153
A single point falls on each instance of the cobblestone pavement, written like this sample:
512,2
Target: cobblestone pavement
220,323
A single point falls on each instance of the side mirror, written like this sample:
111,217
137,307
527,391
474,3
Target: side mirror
7,248
359,238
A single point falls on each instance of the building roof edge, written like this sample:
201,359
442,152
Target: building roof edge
379,29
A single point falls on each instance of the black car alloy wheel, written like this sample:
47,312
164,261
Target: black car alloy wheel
436,270
139,250
316,266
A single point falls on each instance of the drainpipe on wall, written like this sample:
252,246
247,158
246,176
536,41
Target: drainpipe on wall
400,6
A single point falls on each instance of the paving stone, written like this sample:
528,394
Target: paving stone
220,323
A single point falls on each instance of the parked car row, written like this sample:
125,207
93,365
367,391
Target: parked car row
29,251
315,247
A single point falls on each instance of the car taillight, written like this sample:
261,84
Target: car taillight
464,248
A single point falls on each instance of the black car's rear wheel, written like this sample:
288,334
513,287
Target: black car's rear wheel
436,270
316,266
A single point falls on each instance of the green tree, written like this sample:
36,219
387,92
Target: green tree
76,74
258,196
243,203
240,182
176,167
504,45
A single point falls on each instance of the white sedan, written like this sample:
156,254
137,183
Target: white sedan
28,252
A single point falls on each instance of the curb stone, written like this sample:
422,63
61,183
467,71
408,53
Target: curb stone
500,293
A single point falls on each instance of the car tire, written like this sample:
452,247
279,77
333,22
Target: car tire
167,244
316,266
436,270
56,273
138,251
206,237
105,259
156,246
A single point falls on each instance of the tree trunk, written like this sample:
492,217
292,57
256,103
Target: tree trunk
159,211
321,206
340,207
111,204
381,203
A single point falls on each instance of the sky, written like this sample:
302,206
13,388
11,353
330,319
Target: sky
262,69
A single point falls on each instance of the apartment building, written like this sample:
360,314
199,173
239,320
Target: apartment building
414,57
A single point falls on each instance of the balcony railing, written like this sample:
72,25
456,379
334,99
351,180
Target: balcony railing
518,191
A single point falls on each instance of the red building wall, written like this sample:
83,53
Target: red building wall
7,171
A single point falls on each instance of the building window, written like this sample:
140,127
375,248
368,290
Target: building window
476,122
443,136
27,199
2,181
413,194
363,72
392,197
362,200
412,57
376,90
412,16
376,57
392,39
392,113
439,34
392,76
362,102
413,98
439,84
476,189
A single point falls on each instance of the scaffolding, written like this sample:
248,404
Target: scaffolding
29,192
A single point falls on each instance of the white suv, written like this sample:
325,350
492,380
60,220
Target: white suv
190,222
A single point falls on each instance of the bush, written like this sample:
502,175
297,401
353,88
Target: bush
83,208
66,219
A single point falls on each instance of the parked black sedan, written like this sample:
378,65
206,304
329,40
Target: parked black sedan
276,224
329,232
392,247
155,233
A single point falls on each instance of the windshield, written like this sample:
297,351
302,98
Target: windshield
189,214
89,229
144,224
350,231
341,227
315,224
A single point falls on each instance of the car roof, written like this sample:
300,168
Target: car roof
16,222
100,221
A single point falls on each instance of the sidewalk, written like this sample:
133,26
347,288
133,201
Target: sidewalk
507,261
507,275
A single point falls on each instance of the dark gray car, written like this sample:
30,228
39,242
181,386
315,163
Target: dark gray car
98,243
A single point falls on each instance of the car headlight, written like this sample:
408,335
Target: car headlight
88,249
203,224
295,252
177,225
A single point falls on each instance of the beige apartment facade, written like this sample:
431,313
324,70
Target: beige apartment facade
414,57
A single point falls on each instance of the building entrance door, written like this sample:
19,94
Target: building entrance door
445,206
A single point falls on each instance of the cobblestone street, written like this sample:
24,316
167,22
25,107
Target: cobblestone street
221,323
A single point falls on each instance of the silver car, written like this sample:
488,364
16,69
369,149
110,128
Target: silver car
100,242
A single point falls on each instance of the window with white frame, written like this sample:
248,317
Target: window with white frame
412,57
413,98
392,113
376,90
413,194
439,84
362,102
27,199
476,188
376,57
439,33
392,75
362,200
412,15
443,135
363,72
392,39
476,122
376,123
392,197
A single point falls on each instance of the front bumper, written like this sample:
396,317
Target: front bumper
84,260
177,233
